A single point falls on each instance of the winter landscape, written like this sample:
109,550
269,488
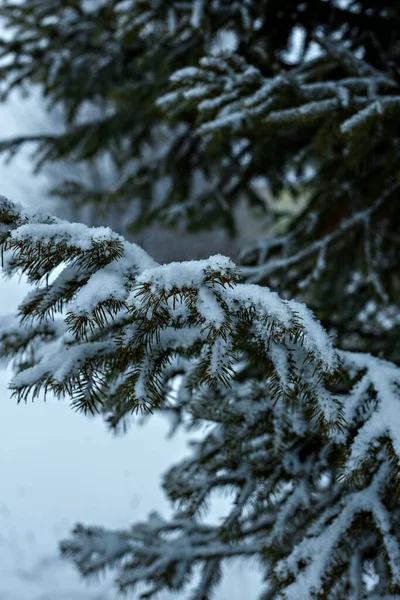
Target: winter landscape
199,310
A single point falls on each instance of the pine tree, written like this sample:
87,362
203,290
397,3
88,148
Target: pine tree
301,421
192,107
305,437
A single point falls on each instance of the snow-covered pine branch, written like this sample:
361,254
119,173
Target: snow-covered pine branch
296,511
126,318
230,93
306,457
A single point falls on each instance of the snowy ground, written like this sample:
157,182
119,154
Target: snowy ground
58,468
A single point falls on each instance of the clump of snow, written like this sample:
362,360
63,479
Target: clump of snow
279,357
209,308
184,274
59,362
262,299
316,339
112,282
71,234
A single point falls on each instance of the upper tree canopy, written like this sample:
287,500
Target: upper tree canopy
192,106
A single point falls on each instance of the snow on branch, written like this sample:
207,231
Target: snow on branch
326,535
378,382
127,317
303,438
231,94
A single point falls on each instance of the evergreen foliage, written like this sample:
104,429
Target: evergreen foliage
304,437
301,420
192,107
